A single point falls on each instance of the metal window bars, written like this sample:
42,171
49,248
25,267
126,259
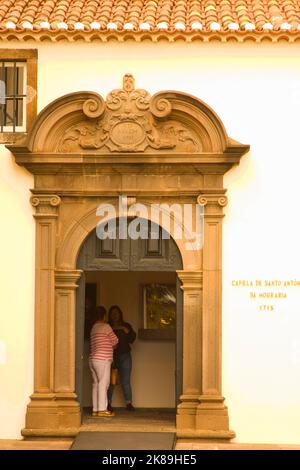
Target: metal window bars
13,97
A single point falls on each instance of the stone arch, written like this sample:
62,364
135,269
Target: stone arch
83,151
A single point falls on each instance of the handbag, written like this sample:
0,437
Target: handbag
114,376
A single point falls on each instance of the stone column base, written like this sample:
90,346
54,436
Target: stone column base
52,415
206,420
186,413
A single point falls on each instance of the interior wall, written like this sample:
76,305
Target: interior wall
153,371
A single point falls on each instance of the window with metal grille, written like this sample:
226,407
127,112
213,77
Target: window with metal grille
12,96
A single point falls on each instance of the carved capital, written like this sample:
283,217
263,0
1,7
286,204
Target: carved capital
67,279
46,204
213,203
191,280
214,199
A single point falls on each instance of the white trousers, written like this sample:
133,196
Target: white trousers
101,379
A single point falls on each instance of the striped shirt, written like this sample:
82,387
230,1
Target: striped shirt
103,340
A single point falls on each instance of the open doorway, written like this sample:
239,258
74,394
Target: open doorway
157,352
153,371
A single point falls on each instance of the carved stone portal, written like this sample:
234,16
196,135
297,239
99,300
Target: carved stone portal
170,148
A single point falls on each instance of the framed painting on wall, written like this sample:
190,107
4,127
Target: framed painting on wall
158,311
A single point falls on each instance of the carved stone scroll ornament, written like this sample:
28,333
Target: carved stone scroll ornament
129,121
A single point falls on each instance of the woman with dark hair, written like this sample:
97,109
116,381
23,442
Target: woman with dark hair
103,340
122,355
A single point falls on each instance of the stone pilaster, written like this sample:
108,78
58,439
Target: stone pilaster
46,214
65,290
212,415
52,411
192,333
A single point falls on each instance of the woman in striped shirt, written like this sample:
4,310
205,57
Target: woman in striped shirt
103,340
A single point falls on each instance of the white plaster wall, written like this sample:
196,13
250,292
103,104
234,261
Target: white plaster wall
153,362
16,295
256,91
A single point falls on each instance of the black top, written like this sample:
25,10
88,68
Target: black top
125,339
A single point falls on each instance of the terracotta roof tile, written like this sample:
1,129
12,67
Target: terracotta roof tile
153,15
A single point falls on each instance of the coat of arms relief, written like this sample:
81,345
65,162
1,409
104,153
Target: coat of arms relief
129,121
